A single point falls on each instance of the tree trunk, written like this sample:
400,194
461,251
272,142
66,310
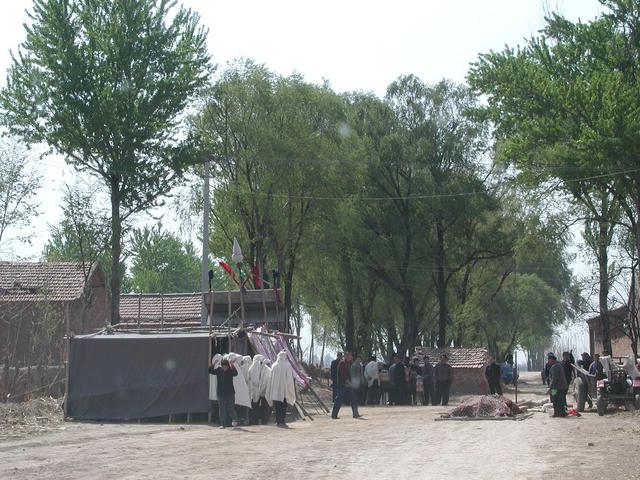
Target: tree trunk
116,249
603,278
441,287
349,326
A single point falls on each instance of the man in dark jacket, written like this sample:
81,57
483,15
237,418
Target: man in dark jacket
566,365
224,390
427,381
398,381
334,376
493,375
558,387
443,374
345,390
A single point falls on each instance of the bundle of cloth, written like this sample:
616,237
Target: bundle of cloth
486,406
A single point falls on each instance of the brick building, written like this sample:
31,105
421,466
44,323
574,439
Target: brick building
40,301
468,367
620,343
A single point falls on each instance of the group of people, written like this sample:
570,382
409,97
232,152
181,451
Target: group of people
401,382
558,375
243,390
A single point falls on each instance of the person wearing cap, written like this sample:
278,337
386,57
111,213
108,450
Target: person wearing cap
224,390
558,387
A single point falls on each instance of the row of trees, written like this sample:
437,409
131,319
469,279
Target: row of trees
392,221
382,216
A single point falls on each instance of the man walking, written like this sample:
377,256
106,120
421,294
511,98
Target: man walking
443,374
558,387
334,376
493,375
344,388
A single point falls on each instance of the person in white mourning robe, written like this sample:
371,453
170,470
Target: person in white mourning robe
242,399
281,389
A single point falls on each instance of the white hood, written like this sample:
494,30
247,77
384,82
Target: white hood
281,384
371,372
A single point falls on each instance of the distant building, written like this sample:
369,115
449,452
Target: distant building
40,301
620,343
468,367
261,307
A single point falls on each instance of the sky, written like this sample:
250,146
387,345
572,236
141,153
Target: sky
354,45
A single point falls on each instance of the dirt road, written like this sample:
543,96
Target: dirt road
390,442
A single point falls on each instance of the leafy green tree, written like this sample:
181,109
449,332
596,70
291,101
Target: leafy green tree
274,141
564,106
162,263
106,84
19,184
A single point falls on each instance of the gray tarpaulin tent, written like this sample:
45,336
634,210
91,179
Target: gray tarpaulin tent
130,376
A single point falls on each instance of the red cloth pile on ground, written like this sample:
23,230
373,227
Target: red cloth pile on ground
486,406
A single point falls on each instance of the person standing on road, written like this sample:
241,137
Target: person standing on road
224,391
281,389
398,381
334,376
558,387
493,374
345,390
567,366
372,376
427,382
443,374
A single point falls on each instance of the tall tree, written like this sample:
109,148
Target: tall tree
106,84
564,106
19,184
274,141
162,263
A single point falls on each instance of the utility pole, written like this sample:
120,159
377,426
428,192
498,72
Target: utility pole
204,274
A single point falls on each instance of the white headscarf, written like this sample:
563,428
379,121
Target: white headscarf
630,367
281,384
213,380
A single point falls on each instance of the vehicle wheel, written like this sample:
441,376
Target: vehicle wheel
601,405
630,406
580,393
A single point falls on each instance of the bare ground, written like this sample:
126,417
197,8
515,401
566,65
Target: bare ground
390,442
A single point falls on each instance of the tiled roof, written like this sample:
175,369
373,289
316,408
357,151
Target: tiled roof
172,308
40,281
458,357
185,307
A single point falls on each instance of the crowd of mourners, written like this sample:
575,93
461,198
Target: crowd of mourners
403,381
244,390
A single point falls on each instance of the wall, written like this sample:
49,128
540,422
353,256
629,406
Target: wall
469,381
